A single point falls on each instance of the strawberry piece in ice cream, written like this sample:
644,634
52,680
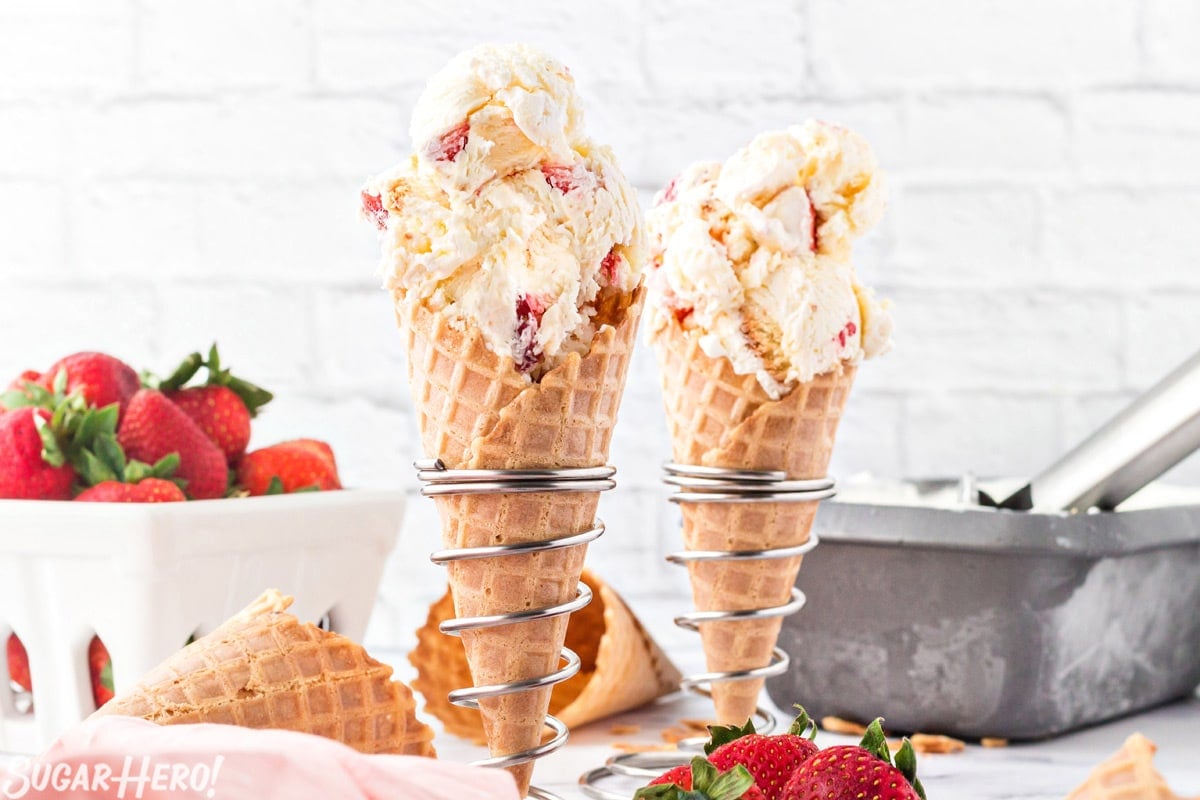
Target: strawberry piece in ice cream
608,267
560,177
447,146
373,209
530,309
812,219
846,333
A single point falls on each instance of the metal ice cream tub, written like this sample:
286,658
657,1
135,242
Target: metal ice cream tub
947,610
947,617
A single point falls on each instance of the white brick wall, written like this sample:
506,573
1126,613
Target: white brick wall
174,172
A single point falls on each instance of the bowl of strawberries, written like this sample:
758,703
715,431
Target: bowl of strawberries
134,516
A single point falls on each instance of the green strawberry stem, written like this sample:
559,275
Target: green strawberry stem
803,724
707,784
254,397
875,742
723,734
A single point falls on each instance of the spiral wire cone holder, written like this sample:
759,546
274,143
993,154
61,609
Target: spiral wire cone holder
438,481
697,484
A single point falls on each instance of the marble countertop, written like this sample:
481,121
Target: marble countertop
1038,771
1045,770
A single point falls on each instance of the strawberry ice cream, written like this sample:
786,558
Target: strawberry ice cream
752,256
506,213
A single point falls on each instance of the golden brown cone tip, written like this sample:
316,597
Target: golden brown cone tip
263,668
719,418
475,410
622,666
1129,774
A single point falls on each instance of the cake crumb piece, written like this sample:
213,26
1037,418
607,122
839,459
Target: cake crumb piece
993,741
676,735
620,729
936,743
643,747
839,725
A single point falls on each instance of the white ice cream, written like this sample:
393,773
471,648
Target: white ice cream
753,256
506,214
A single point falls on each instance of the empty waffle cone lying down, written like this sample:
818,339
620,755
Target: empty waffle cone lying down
265,669
622,667
1128,774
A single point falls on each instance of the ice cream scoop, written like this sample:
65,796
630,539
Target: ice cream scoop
507,213
752,256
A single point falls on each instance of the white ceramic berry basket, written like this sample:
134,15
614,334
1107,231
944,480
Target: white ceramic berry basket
146,577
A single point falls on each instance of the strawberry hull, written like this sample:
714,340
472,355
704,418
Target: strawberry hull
145,577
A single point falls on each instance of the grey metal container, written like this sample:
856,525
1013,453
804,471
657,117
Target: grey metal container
981,622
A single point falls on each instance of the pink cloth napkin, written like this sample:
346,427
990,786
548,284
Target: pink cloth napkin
117,758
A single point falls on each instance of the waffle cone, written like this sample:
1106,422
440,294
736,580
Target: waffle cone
1128,774
265,669
622,669
476,411
718,418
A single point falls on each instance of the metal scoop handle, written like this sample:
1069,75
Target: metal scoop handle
1153,434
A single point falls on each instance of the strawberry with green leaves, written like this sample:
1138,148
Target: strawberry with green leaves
295,466
770,759
21,387
701,781
849,772
33,465
100,670
153,428
222,407
100,378
148,490
107,476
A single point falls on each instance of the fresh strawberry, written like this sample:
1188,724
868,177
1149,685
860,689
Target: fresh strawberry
18,664
300,465
149,490
100,378
530,309
153,428
447,146
700,781
20,388
100,668
770,759
222,407
680,776
372,205
32,463
220,413
847,772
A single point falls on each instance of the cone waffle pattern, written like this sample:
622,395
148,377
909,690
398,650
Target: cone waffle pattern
623,668
266,669
718,418
1128,775
477,412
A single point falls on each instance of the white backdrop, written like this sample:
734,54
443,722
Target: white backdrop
176,172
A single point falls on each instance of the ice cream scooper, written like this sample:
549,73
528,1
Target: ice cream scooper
1151,435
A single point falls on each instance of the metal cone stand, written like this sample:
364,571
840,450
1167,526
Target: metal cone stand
440,482
696,484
